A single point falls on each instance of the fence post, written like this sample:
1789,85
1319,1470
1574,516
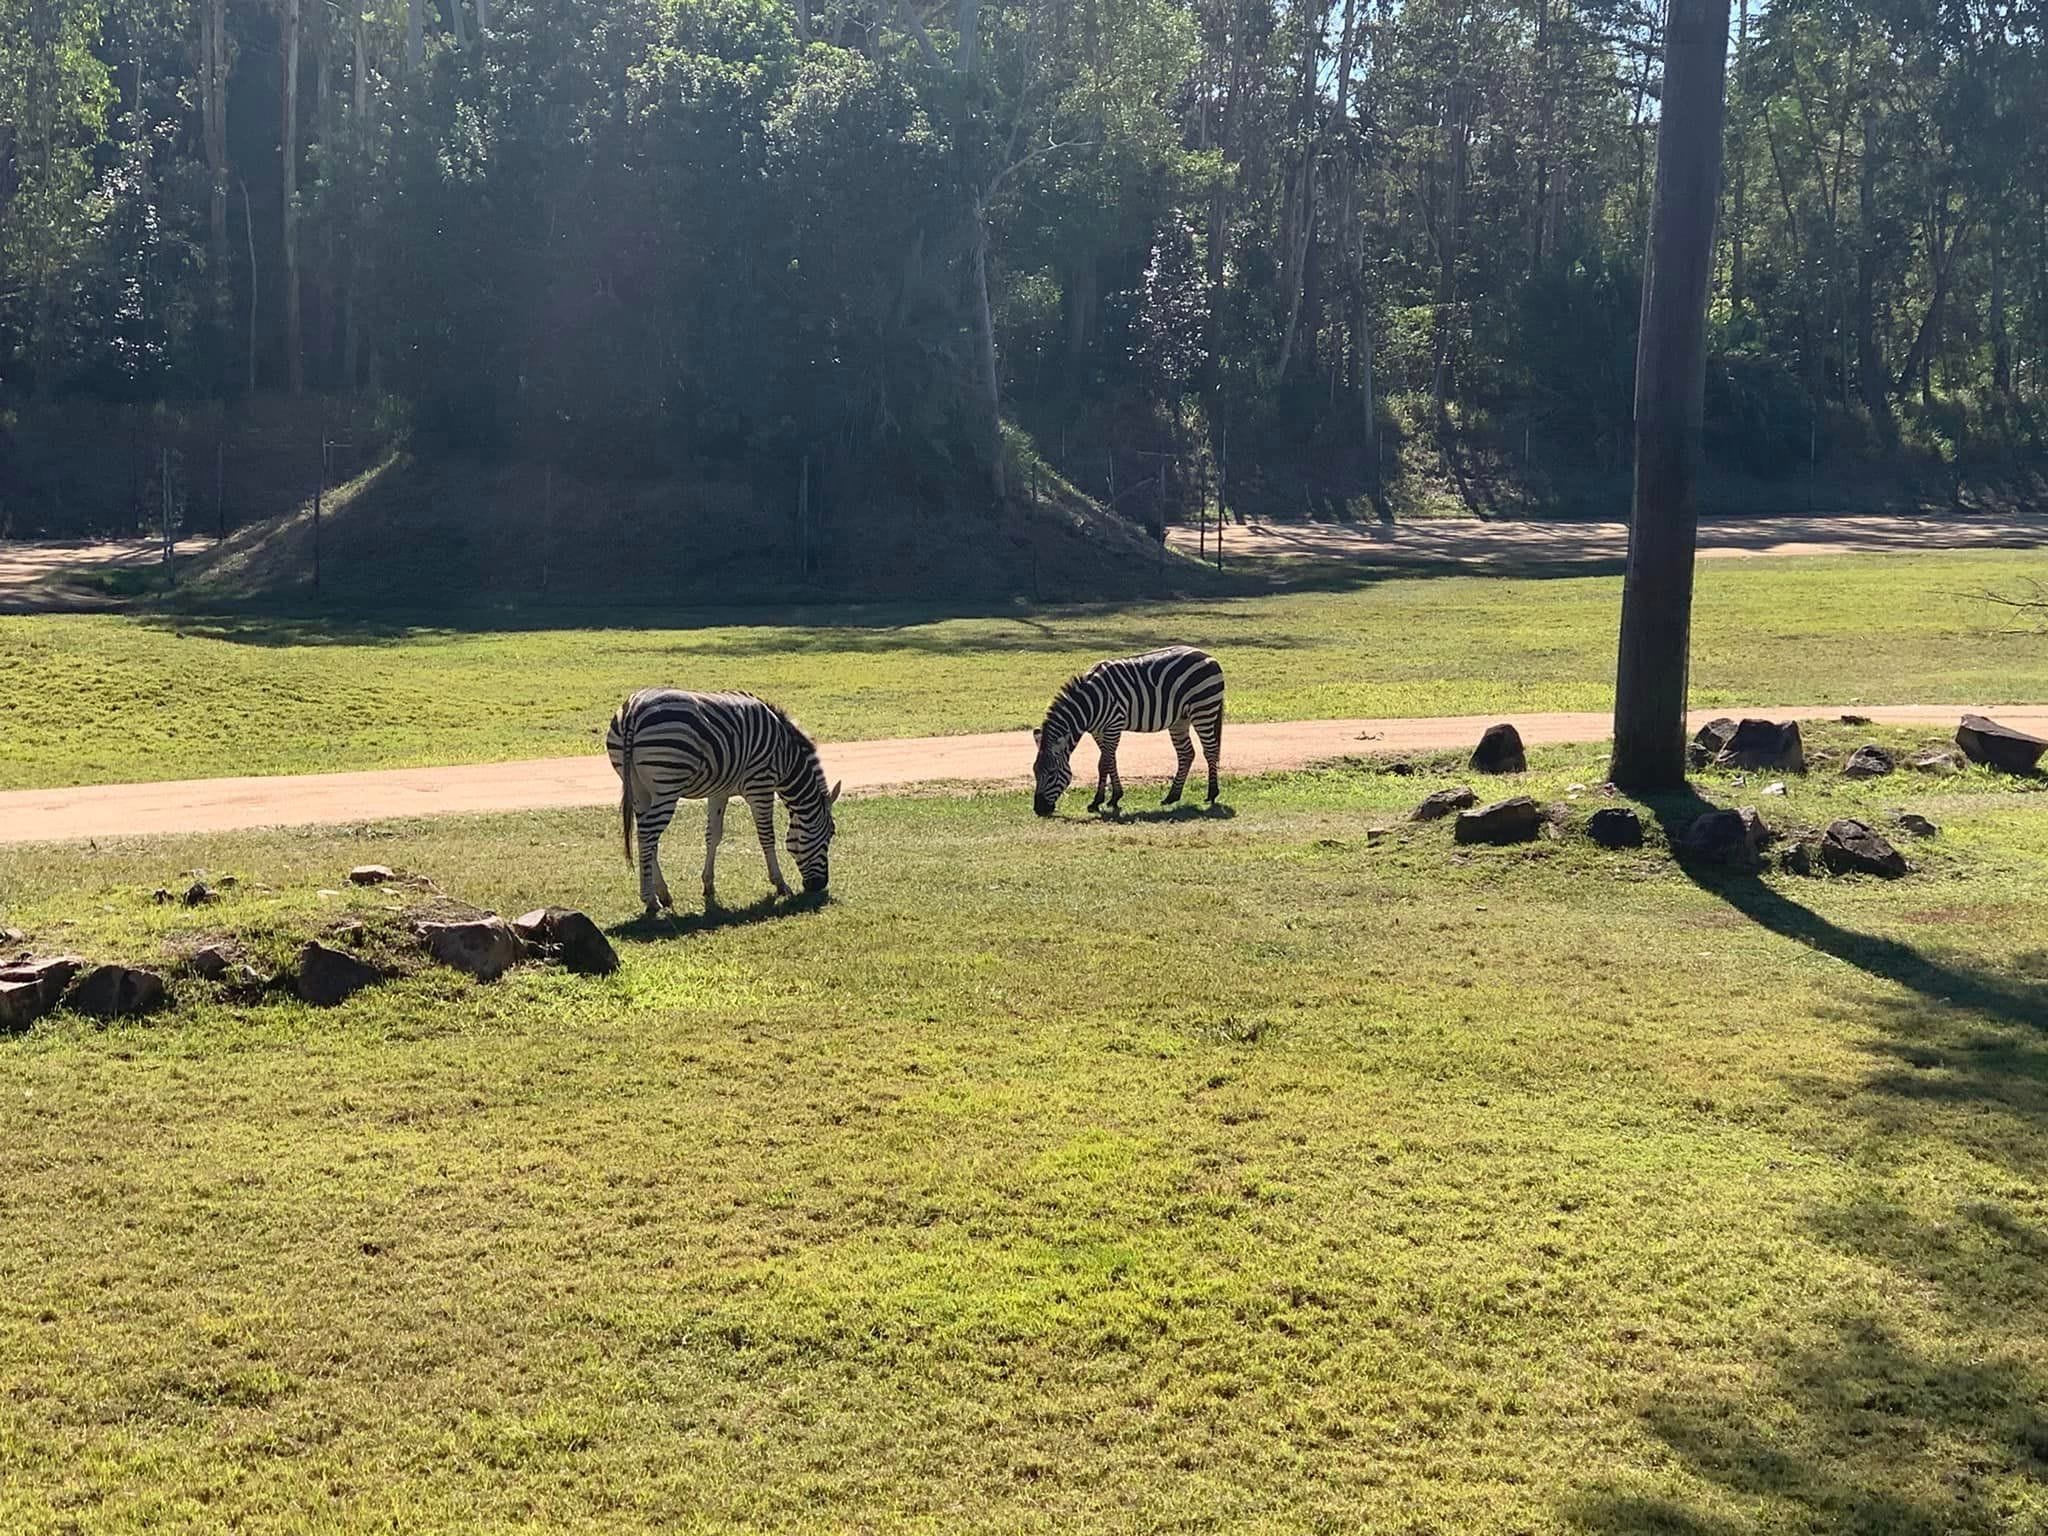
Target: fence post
220,516
319,490
163,470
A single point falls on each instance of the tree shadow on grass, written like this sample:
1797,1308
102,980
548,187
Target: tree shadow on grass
661,927
1945,982
1181,812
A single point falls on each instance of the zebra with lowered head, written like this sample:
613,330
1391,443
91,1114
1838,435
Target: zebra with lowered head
666,745
1168,690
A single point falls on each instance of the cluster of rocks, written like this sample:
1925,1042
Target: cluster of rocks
324,973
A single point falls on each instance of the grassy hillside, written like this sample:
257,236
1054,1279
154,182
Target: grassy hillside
1365,1185
103,698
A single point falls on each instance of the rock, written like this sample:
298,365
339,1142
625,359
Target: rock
1616,826
10,936
50,976
485,949
1999,746
1505,821
1708,741
21,1004
370,874
1939,761
1869,761
246,981
1443,802
569,937
328,976
211,963
1734,838
1500,751
1916,824
1851,848
1763,744
1776,787
199,893
1797,859
162,897
1855,719
117,992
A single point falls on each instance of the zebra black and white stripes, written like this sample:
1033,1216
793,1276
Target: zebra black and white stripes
667,745
1167,690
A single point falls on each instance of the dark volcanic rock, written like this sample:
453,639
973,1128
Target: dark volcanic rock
1734,838
1756,744
1505,821
1616,826
117,992
485,949
1443,802
50,975
328,976
1500,751
569,937
1851,848
1708,741
199,894
210,963
1999,746
1917,825
1869,761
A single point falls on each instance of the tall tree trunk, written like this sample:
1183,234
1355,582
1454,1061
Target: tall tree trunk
1445,343
1943,260
985,354
294,359
249,231
1738,273
2001,343
483,19
455,24
1656,599
213,133
359,136
1870,379
415,34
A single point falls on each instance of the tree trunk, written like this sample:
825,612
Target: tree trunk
455,24
483,20
294,360
1447,252
1738,275
1870,379
1944,263
359,141
985,354
2001,343
249,230
415,35
213,132
1656,600
1084,285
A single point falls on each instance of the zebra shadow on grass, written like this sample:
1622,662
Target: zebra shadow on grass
1182,812
654,928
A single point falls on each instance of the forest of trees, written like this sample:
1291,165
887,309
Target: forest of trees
645,233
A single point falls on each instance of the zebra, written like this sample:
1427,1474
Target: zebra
666,745
1166,690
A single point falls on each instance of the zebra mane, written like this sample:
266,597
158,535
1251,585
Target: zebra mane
1070,689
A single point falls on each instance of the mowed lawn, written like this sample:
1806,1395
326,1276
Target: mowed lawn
96,699
1251,1173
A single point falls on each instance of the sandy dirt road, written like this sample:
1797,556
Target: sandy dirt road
28,568
1497,546
867,767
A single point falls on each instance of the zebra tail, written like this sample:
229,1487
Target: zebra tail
626,789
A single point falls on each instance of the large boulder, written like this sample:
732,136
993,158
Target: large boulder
1734,838
1764,744
1616,826
1852,848
485,948
1518,820
117,992
1443,802
21,1004
1708,741
569,937
1999,746
329,976
1869,761
50,975
1500,751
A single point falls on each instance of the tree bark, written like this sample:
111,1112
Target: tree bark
2001,342
415,35
1445,345
213,133
1656,601
1738,276
359,141
455,23
985,353
1870,379
295,363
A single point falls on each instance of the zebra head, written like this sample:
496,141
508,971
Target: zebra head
810,831
1053,770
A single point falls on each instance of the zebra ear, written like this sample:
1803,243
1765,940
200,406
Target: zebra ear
833,798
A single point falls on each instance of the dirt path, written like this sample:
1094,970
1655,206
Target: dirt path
1495,546
29,567
221,805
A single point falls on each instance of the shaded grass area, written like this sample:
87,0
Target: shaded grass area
102,698
1250,1173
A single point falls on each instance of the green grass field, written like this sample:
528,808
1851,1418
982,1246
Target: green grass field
95,699
1246,1173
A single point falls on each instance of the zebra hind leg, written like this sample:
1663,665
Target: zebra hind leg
1184,759
653,884
1212,749
714,833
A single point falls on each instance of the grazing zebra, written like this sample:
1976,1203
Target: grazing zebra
1167,690
666,745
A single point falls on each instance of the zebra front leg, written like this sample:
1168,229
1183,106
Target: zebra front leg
1101,775
714,833
651,823
1184,759
1116,782
763,807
